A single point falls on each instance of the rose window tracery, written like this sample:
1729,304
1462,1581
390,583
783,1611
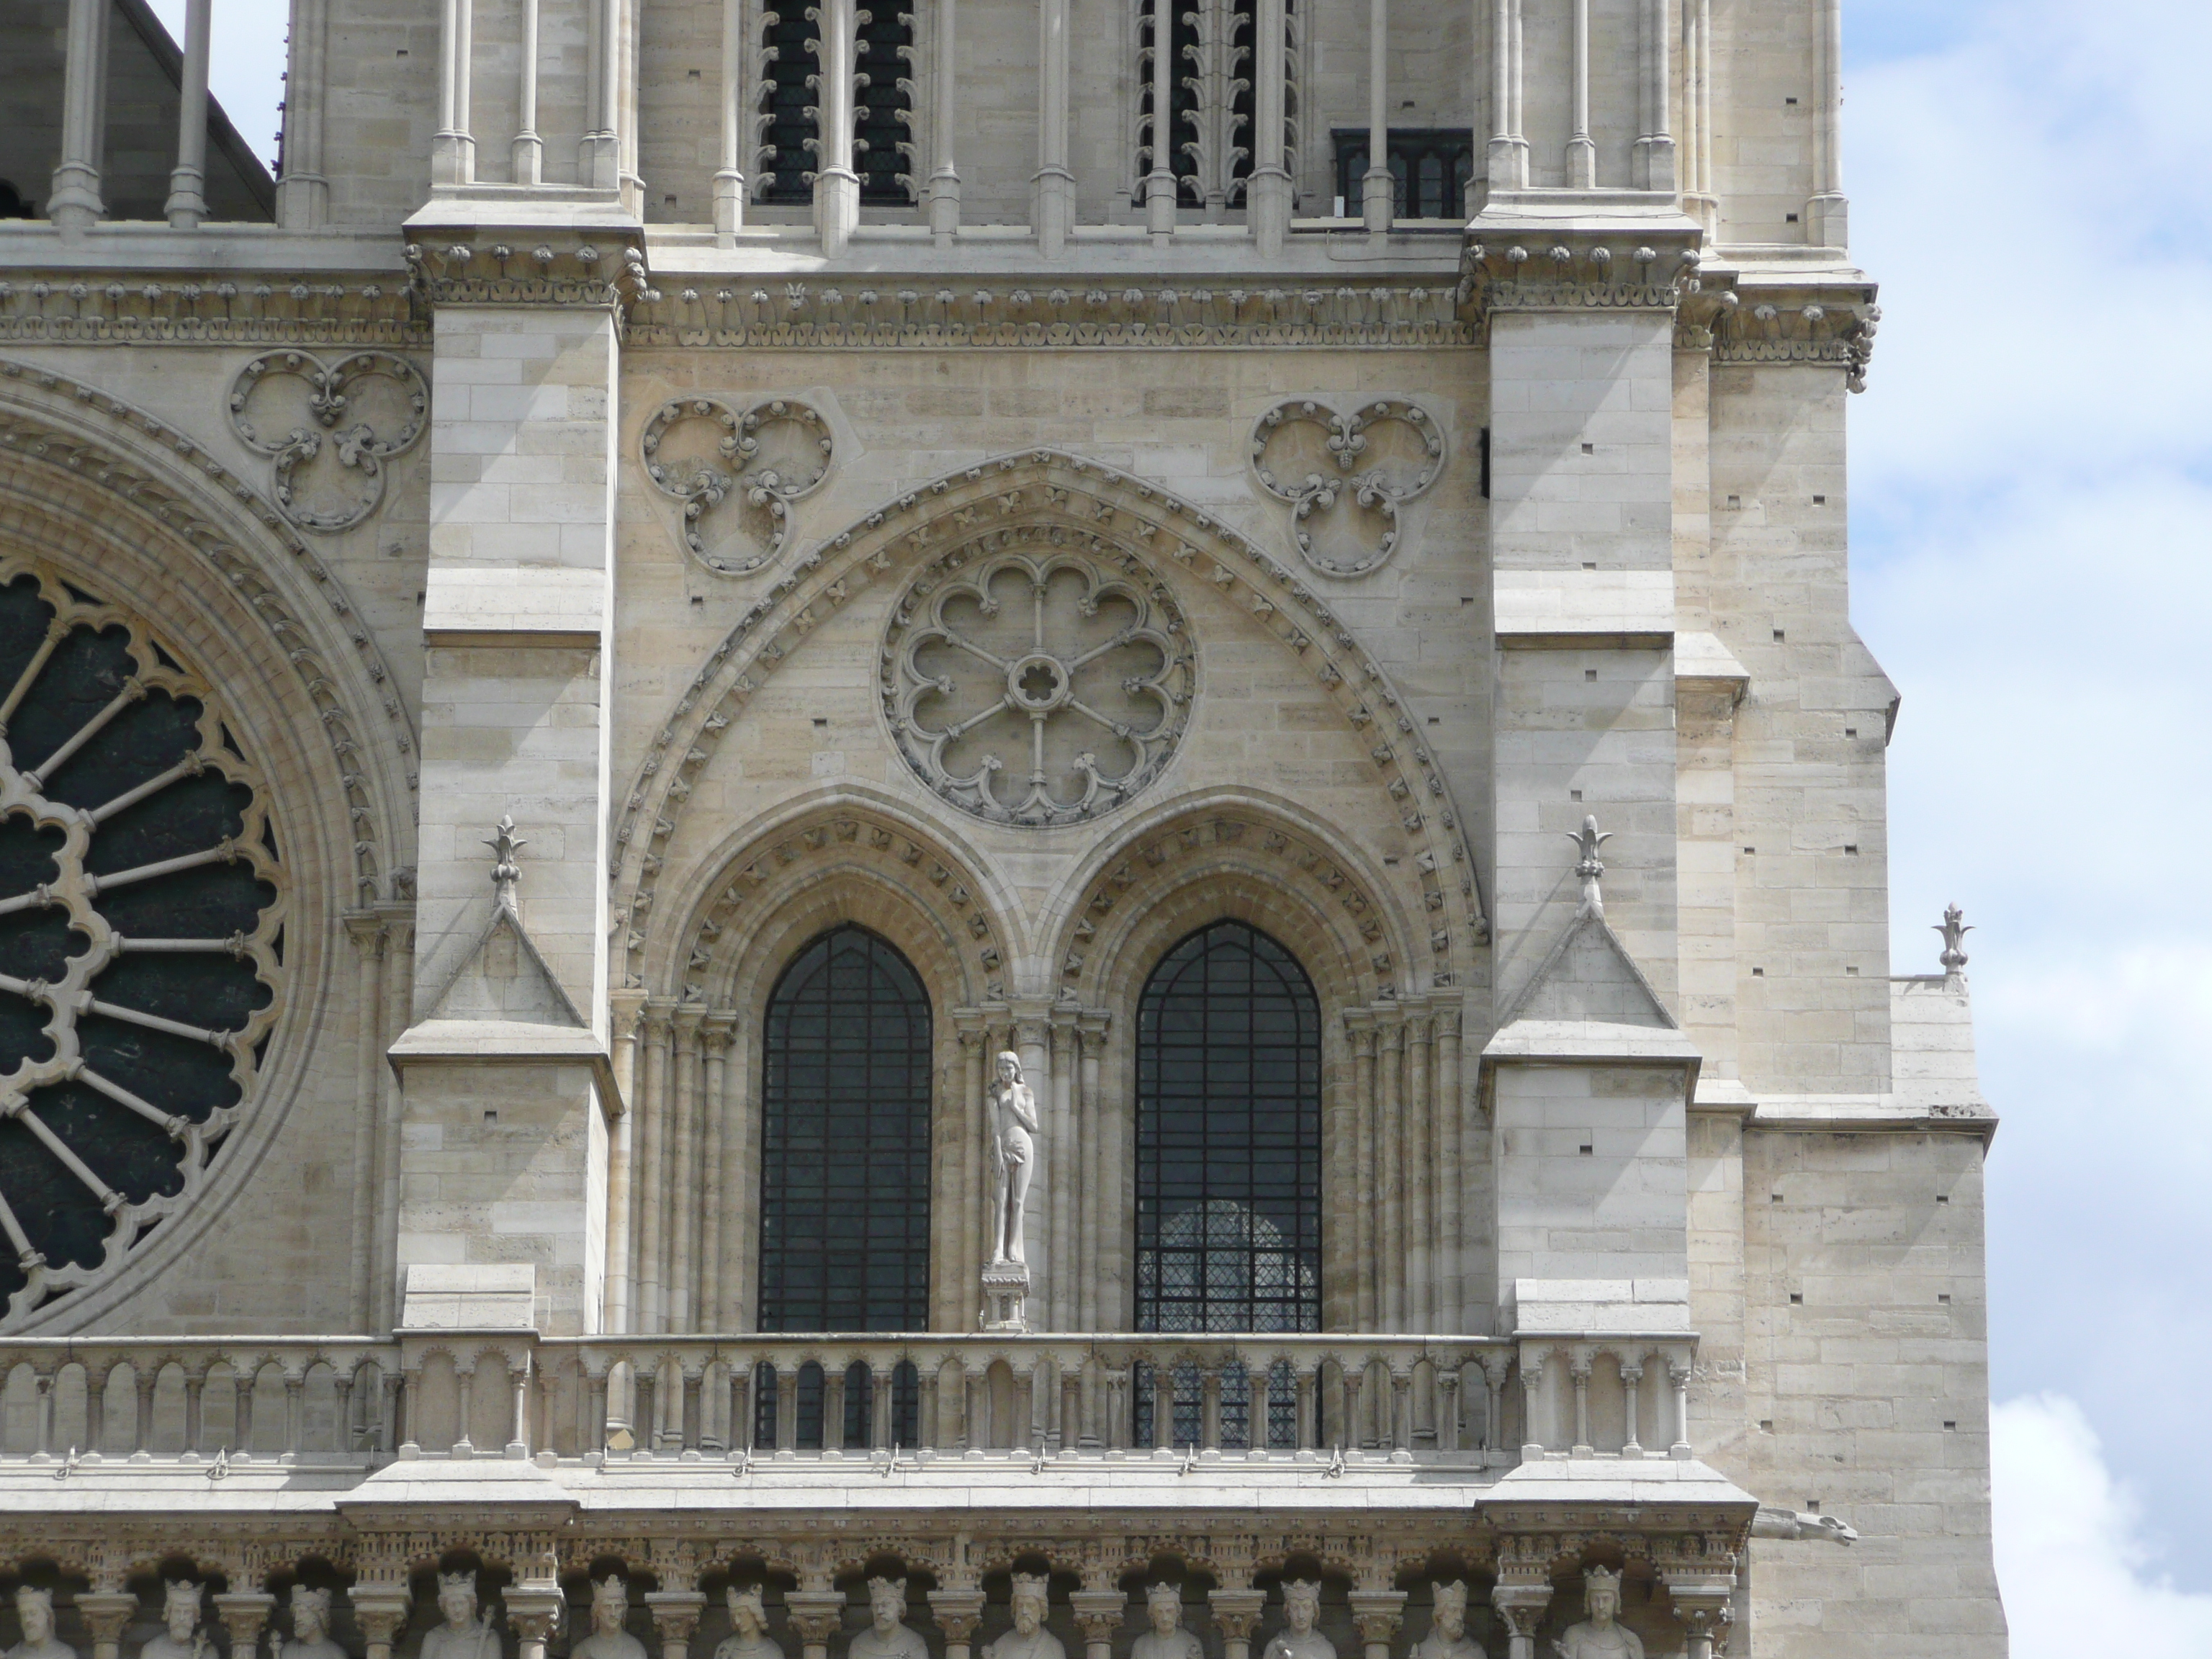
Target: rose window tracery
141,935
1037,687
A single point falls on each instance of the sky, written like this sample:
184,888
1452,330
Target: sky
2032,535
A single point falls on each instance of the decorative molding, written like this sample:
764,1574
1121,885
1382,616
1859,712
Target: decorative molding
115,469
1345,438
94,307
1807,330
1097,500
1083,667
1575,270
764,482
331,392
1151,315
561,269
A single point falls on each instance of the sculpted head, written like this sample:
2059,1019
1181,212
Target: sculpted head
1450,1610
34,1611
1601,1596
1301,1603
180,1608
311,1614
887,1604
457,1597
747,1612
1009,1067
610,1605
1031,1596
1163,1603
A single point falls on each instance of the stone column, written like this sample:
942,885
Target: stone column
1267,193
1236,1615
74,201
1362,1196
625,1008
1701,1598
106,1615
303,194
675,1617
1066,1155
958,1612
945,176
1521,1604
715,1035
1377,1613
380,1610
1389,1156
1581,153
650,1217
366,929
1160,182
1418,1133
730,177
1509,149
1096,1219
1455,1283
684,1175
1098,1614
187,205
836,185
1828,215
527,150
453,150
1377,190
534,1608
815,1615
1655,167
1054,185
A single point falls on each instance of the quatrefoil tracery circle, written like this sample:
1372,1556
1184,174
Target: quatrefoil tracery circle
140,936
358,412
1036,689
1310,456
766,456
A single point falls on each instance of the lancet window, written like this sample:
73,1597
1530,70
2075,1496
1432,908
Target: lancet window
1228,1179
844,1217
792,65
1214,58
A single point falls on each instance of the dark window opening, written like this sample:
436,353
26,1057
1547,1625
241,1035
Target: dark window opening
1430,166
1228,1138
845,1143
789,160
791,96
883,153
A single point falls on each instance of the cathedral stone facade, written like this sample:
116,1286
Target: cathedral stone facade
1037,826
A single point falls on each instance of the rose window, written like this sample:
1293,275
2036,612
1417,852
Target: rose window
1037,689
140,936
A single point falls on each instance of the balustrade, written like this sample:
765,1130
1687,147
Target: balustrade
767,1399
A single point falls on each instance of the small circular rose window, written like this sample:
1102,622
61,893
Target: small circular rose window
141,935
1036,688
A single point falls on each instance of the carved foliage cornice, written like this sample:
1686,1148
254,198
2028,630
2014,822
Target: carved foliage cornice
1147,314
596,270
1094,502
208,308
1572,270
118,470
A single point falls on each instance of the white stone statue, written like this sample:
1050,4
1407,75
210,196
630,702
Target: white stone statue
311,1628
1013,1157
1167,1639
1448,1637
1600,1635
180,1636
748,1637
609,1609
464,1635
1771,1521
888,1636
1029,1639
1300,1609
35,1611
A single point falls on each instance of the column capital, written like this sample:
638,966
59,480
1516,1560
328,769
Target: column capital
957,1613
1377,1613
105,1613
1237,1611
1099,1613
717,1032
1520,1606
676,1612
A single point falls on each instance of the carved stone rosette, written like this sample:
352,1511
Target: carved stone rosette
1036,687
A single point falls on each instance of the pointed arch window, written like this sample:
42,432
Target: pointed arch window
844,1215
1228,1138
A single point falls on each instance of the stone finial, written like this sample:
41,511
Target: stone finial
1588,840
505,872
1955,930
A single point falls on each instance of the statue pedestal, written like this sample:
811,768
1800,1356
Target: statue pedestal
1006,1292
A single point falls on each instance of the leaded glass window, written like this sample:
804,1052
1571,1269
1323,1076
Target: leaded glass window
1228,1138
845,1141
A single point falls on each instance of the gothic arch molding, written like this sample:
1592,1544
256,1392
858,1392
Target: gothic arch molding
1083,499
73,439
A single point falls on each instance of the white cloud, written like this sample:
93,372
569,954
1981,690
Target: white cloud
2076,1574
